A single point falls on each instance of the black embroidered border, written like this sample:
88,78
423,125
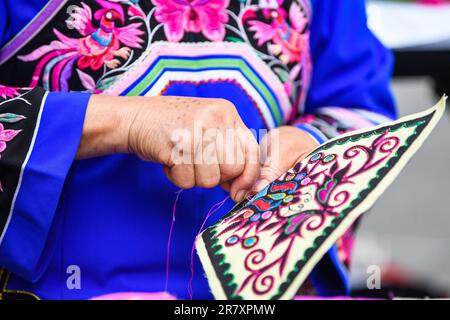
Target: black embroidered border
218,259
24,71
12,159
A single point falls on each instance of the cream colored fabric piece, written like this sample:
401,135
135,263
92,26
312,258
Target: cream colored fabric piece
266,247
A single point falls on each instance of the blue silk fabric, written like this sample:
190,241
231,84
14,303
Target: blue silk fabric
111,215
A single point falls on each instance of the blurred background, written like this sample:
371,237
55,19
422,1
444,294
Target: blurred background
407,233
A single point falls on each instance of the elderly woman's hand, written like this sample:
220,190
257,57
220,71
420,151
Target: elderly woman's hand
200,142
281,149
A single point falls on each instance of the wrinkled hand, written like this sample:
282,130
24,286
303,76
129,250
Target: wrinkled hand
281,149
199,142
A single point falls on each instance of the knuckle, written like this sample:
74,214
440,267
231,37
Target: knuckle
209,182
224,108
248,180
272,171
232,171
212,114
225,104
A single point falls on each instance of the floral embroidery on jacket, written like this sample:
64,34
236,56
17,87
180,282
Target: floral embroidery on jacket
98,46
8,95
8,92
206,16
104,39
285,33
6,136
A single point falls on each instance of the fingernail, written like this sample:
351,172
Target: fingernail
240,195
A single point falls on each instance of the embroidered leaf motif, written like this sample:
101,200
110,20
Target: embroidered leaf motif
234,39
11,117
6,136
284,76
86,80
106,83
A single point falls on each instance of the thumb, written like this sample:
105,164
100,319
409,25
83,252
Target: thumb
269,172
272,170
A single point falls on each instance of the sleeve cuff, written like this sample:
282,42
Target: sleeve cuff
57,135
313,132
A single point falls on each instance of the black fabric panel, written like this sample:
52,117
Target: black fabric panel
12,159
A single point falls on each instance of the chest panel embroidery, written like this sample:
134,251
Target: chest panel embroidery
96,45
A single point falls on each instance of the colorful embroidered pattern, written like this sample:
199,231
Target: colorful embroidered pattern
201,62
95,45
136,47
19,109
208,17
201,83
267,246
8,95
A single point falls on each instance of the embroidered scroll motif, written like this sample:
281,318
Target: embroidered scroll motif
266,247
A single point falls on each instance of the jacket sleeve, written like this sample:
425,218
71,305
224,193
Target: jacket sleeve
349,90
351,72
39,136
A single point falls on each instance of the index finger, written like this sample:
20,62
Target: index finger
243,184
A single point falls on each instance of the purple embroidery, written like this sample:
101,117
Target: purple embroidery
104,39
46,14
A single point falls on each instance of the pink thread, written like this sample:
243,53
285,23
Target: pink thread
174,210
211,211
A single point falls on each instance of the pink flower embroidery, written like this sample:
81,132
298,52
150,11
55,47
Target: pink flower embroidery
105,36
284,32
6,136
206,16
8,92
